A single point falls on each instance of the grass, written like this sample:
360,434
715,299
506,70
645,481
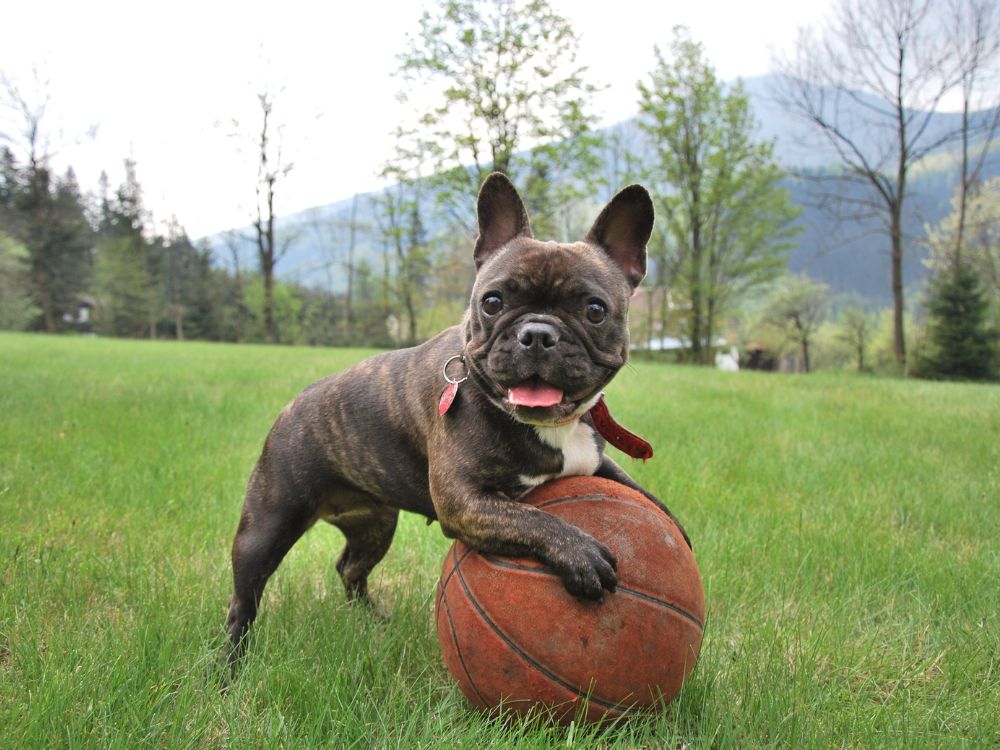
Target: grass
846,530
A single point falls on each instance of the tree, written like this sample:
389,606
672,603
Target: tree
127,266
399,215
980,240
191,302
121,281
869,88
508,97
857,328
270,168
17,311
726,215
45,212
961,345
975,34
797,308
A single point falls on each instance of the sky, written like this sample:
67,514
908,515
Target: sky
174,85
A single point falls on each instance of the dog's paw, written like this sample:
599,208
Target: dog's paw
586,567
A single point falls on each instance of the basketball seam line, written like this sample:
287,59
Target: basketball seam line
623,589
454,638
458,561
597,496
534,662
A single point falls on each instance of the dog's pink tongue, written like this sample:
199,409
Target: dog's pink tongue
534,393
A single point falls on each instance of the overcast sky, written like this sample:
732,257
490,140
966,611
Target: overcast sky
163,82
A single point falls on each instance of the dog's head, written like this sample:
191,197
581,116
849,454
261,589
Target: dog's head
547,327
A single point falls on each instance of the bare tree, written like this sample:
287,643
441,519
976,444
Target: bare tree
870,87
270,169
975,35
399,214
29,112
338,236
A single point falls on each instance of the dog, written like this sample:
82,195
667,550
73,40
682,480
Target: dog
458,428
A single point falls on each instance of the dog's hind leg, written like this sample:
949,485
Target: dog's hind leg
368,529
266,532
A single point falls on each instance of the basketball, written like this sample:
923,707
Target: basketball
512,636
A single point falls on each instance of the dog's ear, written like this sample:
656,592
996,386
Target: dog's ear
622,230
501,216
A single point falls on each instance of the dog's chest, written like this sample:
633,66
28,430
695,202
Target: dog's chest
575,441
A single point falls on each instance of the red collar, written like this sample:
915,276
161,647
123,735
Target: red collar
627,442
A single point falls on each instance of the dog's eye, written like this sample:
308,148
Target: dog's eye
596,312
492,304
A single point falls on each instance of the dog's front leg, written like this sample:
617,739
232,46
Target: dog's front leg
610,470
494,523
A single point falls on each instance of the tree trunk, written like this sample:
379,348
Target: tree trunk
265,249
697,335
899,340
44,296
650,317
269,325
266,179
896,228
664,307
349,301
963,187
898,333
709,330
40,252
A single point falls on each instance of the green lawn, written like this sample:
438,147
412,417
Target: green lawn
847,530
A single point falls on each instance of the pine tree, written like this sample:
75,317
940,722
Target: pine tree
960,345
16,308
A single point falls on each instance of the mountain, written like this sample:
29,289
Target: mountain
851,257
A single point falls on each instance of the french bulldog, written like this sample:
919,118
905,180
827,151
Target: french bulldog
460,427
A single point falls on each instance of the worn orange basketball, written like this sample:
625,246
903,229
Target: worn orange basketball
513,636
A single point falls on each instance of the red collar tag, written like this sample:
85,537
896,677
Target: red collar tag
450,390
627,442
447,397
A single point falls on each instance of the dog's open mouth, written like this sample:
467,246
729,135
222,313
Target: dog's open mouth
534,392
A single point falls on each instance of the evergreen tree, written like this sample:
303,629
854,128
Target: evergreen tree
121,280
16,308
203,295
960,344
128,268
47,217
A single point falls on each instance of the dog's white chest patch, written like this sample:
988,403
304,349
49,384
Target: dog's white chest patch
579,449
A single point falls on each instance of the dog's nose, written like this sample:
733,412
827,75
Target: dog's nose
537,337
